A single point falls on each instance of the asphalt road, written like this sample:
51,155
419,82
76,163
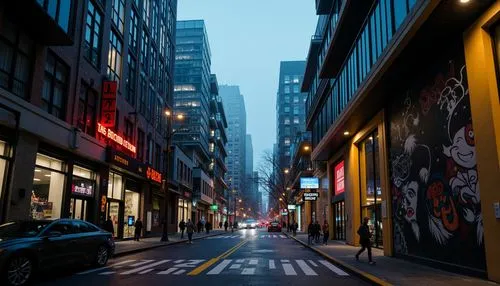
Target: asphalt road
247,257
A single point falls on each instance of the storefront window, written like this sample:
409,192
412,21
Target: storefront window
4,155
48,188
340,220
115,186
131,211
371,192
82,192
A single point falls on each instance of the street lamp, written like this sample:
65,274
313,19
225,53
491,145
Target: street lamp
168,136
287,171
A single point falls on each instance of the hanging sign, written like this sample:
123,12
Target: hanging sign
311,196
153,175
309,183
108,103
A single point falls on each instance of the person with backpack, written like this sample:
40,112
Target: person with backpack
365,240
190,231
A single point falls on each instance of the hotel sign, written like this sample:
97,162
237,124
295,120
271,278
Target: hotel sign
110,134
130,164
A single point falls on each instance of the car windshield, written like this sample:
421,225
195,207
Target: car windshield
22,229
250,221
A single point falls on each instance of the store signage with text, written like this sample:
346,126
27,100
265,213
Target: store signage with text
339,178
291,207
82,188
153,175
110,134
108,103
311,196
309,183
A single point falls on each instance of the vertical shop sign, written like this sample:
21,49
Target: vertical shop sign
339,178
108,104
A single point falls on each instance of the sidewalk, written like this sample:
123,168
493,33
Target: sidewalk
124,247
387,270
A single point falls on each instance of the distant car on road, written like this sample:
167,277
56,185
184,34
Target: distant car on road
274,226
249,223
28,247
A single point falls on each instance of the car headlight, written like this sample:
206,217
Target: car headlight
243,224
252,225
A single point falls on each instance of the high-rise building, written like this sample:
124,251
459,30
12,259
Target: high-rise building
234,105
194,89
88,85
408,148
248,156
290,108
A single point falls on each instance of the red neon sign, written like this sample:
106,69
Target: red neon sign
108,133
153,175
108,106
339,178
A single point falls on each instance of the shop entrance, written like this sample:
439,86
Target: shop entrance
131,212
78,209
340,220
371,191
113,211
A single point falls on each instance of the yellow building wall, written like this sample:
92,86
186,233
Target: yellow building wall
485,106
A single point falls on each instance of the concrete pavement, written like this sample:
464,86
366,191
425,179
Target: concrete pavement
247,257
387,270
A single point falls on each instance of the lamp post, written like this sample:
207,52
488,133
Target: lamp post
168,136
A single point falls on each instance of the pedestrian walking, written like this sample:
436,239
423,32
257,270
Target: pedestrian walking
108,226
226,225
182,226
365,240
310,233
199,226
138,229
317,231
208,226
326,232
190,231
294,228
220,224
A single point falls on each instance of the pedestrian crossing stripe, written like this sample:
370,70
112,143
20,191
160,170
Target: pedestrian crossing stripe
273,236
246,266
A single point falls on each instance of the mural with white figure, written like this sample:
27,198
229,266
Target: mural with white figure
435,185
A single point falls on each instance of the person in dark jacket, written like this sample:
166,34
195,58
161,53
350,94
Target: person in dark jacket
108,226
310,233
317,231
364,239
220,224
182,227
326,232
226,225
208,226
199,226
138,229
190,230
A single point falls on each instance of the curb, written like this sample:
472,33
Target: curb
363,275
132,251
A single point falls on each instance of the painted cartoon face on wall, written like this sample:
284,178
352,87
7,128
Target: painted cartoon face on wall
463,150
409,202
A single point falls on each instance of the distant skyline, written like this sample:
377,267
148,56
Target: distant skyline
248,39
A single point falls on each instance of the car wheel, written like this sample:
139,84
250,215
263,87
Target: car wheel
102,256
19,270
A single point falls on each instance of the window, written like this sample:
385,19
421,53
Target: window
287,99
82,227
62,227
152,67
286,121
149,149
296,120
296,89
16,55
87,110
140,145
129,130
161,77
59,10
118,14
115,58
115,186
131,80
150,103
144,50
133,31
48,188
287,108
287,79
287,89
295,110
286,141
143,95
154,22
296,79
146,12
55,86
157,157
93,35
296,99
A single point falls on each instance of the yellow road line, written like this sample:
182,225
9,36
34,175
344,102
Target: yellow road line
214,260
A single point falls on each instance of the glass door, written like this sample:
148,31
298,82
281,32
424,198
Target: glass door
371,192
340,220
78,209
113,211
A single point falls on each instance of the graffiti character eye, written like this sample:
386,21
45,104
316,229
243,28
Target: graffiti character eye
469,135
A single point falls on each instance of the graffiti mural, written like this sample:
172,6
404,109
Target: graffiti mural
435,185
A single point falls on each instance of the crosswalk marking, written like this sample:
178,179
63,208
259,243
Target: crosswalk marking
146,271
240,260
275,236
253,262
248,271
107,267
219,268
168,271
282,236
312,263
307,270
289,269
235,266
285,260
145,267
271,264
141,263
180,272
107,273
333,268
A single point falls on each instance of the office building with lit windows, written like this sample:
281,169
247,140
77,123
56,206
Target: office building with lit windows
404,110
82,100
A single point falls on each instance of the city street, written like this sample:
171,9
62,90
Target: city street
246,257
